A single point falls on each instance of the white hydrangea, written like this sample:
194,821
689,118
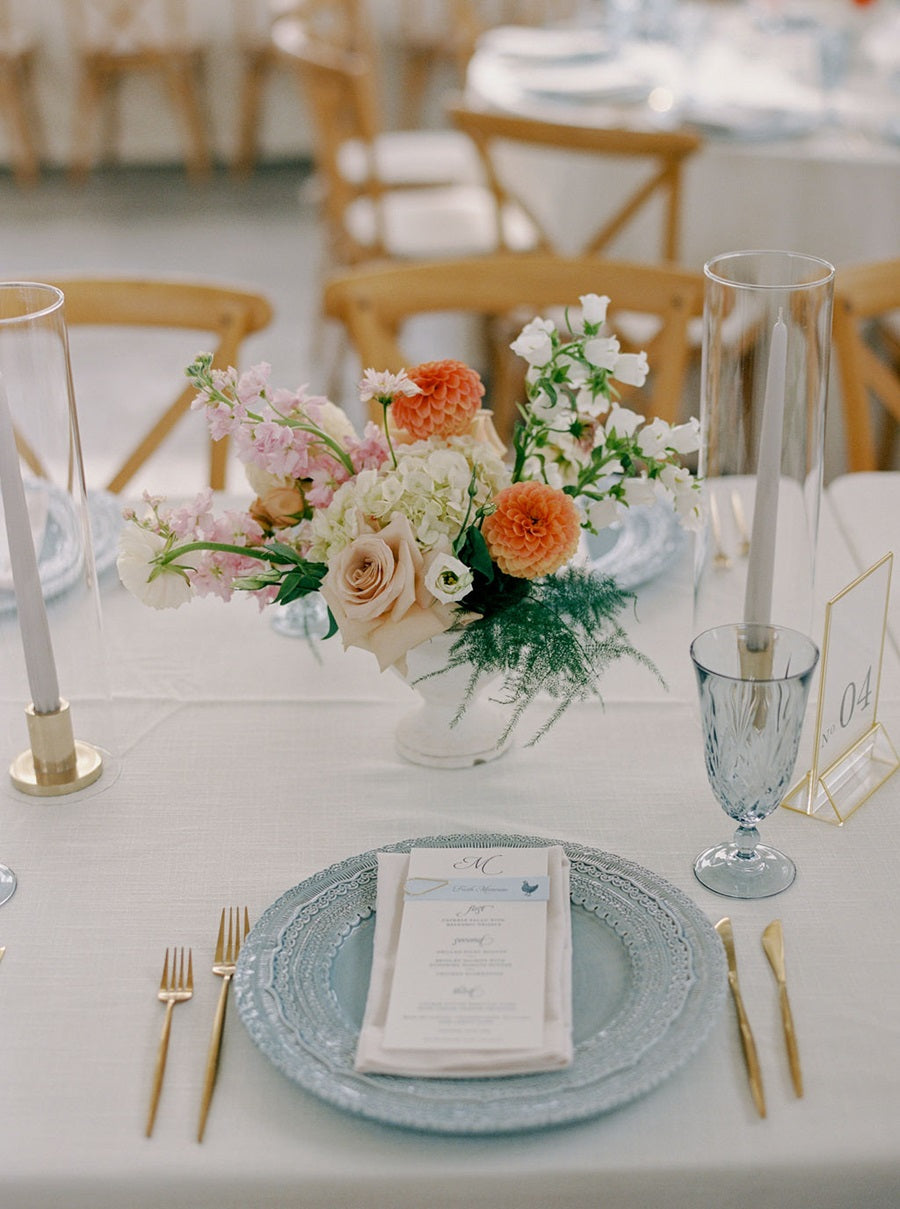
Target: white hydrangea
429,485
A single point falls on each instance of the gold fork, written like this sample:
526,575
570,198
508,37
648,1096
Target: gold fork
721,559
174,988
224,964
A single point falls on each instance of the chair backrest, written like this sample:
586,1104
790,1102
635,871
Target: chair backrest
863,295
663,151
472,18
127,27
374,301
228,315
341,92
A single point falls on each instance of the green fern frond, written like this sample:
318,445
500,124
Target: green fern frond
559,638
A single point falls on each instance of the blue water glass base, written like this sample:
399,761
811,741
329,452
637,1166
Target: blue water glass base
306,617
728,870
7,884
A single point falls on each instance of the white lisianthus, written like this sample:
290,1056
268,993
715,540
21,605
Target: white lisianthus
601,513
154,585
603,351
448,579
534,343
632,368
593,308
623,421
639,491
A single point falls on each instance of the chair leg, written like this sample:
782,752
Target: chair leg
256,67
181,79
414,80
87,103
14,82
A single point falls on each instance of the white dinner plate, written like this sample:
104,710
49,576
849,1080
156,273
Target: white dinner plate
649,980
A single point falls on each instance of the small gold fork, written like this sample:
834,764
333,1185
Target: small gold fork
174,988
224,964
721,559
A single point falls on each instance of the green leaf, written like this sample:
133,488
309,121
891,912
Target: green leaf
478,555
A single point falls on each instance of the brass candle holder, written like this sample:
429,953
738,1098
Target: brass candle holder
56,763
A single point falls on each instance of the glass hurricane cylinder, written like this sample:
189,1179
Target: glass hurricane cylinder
51,650
766,350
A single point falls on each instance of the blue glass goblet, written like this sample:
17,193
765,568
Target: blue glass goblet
754,683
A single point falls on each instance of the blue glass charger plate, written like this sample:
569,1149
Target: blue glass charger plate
648,975
60,554
638,547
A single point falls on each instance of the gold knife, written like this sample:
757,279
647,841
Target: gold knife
773,943
723,927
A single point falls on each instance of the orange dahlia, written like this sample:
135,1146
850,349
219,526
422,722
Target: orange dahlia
534,530
450,395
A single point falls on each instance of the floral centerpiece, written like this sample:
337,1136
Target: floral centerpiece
420,527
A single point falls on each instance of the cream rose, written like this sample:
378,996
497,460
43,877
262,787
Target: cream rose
375,588
278,508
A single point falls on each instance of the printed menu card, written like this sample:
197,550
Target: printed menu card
471,969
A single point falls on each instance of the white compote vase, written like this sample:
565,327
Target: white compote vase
434,733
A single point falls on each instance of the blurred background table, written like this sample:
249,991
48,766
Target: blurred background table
787,162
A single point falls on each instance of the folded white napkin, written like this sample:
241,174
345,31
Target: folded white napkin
556,1049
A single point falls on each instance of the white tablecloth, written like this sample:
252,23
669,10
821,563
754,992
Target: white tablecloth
246,765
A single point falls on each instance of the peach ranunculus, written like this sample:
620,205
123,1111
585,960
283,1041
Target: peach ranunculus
449,395
279,508
375,588
534,530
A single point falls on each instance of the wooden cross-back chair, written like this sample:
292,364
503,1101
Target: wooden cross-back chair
342,23
865,327
228,315
116,38
375,301
388,193
17,51
664,153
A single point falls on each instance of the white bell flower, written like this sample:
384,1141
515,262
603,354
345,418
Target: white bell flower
534,343
593,308
632,368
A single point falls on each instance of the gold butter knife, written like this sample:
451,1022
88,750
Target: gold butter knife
723,927
773,943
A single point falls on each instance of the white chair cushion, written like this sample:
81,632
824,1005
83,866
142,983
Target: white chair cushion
454,221
409,157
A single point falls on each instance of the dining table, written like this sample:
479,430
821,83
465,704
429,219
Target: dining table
242,762
798,106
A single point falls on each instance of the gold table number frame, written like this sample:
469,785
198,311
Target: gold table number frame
847,709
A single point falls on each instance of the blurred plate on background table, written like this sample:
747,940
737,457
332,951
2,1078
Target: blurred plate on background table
540,45
648,982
